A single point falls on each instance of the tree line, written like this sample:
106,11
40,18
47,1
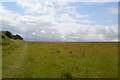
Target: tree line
11,36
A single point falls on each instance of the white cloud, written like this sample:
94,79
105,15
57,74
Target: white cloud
43,32
37,8
109,21
87,0
46,27
34,33
62,0
49,11
66,18
85,21
75,14
112,10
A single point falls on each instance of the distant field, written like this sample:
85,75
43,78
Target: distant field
60,59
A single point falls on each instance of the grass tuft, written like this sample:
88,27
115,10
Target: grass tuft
67,75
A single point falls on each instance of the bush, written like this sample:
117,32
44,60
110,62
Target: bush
3,36
4,40
18,37
67,76
8,34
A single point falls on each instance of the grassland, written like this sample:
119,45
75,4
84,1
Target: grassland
0,62
60,59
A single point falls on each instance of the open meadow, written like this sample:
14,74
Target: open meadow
56,39
60,59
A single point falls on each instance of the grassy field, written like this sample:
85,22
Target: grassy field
60,59
0,62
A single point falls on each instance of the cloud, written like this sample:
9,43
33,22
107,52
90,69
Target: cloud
72,31
109,21
87,0
37,8
67,18
52,11
49,27
43,32
112,10
62,0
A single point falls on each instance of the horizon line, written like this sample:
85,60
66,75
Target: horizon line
70,41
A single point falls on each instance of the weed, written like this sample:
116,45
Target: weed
9,53
70,52
67,75
57,51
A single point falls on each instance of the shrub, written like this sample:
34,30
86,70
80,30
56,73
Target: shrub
67,76
8,34
70,52
18,37
57,51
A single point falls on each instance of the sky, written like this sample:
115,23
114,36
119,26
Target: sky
61,21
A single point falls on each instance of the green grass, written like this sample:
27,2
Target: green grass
4,39
0,62
60,60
